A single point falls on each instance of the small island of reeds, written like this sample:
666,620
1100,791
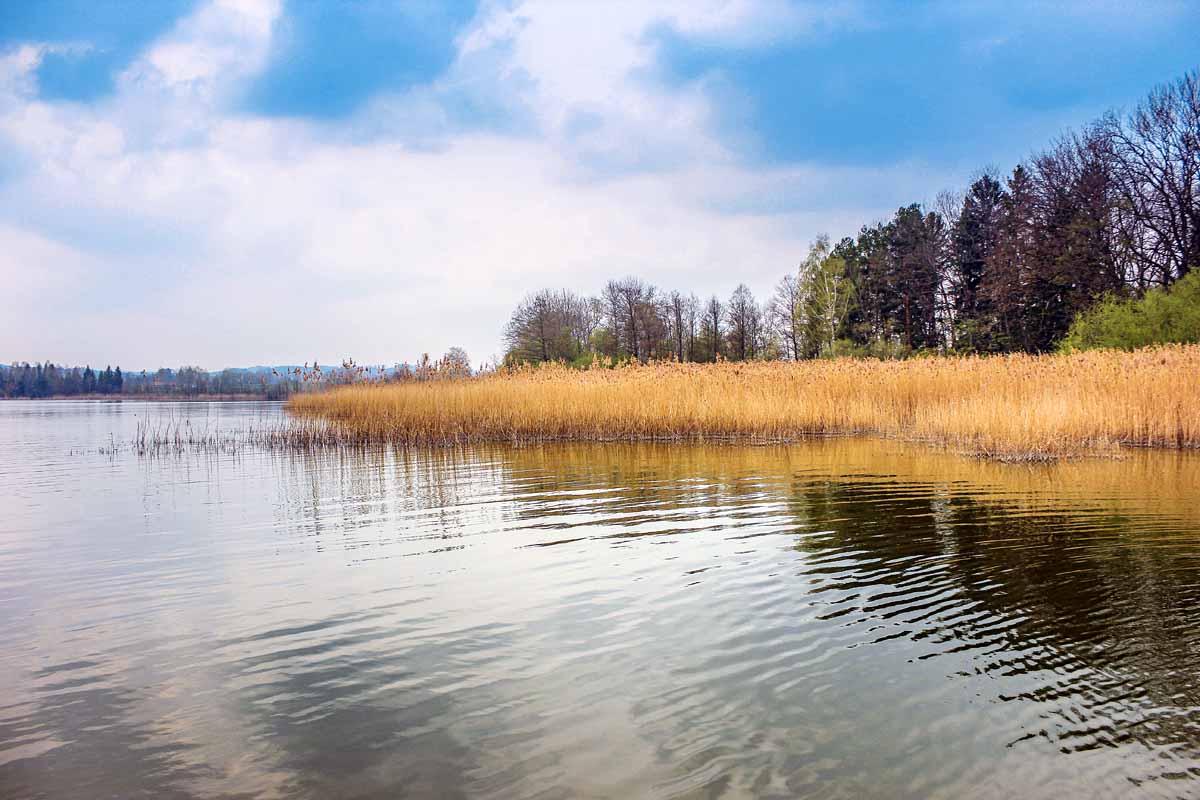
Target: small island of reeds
1011,407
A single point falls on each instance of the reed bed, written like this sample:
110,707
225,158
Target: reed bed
1014,407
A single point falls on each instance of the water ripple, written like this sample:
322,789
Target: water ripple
840,618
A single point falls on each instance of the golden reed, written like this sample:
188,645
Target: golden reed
1014,407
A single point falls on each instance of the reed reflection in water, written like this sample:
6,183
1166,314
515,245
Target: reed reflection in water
838,618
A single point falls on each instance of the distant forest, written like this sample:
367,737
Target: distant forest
270,383
1106,213
51,380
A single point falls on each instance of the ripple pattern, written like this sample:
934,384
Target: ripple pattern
839,618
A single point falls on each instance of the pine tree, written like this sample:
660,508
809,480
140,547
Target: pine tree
1006,282
1076,257
975,238
916,245
41,387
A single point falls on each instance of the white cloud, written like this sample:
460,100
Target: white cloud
223,40
157,228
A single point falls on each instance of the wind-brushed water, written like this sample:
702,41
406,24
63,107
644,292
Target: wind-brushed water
1013,407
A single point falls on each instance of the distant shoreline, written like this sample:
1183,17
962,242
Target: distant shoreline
157,398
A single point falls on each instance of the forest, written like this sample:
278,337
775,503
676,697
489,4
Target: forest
1105,214
269,383
51,380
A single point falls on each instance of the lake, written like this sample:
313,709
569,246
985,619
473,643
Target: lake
838,618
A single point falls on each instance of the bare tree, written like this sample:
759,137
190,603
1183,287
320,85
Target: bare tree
587,316
710,328
756,330
1157,164
949,206
785,313
456,361
629,305
741,313
692,319
548,325
677,313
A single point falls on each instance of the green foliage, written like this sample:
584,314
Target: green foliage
582,361
1161,317
880,349
602,341
846,348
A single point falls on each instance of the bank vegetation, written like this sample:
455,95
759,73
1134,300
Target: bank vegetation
1010,407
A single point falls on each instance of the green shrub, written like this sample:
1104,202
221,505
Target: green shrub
1162,316
881,349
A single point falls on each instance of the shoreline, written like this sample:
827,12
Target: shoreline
155,398
1016,408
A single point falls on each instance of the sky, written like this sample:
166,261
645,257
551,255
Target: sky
238,182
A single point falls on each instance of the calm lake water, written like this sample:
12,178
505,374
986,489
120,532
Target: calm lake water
842,618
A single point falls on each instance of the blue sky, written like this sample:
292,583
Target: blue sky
96,39
329,58
380,178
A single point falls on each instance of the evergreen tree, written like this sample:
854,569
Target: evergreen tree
72,381
975,238
25,381
1007,279
916,244
41,386
869,267
1076,257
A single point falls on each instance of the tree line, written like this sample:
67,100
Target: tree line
271,383
1109,212
51,380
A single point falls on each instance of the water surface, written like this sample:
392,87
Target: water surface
839,618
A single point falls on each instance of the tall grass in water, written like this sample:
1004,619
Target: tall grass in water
176,435
1015,407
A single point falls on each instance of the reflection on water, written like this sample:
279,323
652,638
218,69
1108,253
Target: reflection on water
842,618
